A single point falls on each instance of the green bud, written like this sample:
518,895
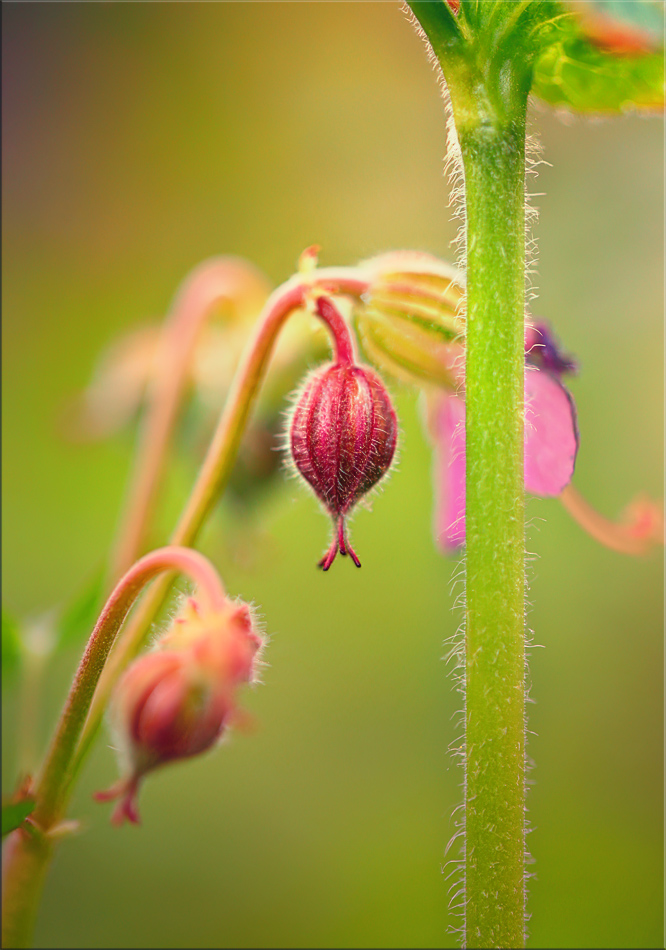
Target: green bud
409,323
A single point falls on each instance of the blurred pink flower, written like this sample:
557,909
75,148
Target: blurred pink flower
551,445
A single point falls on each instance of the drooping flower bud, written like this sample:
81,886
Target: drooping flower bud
342,438
177,701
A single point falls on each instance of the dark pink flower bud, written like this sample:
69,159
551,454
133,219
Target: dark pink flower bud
342,438
176,701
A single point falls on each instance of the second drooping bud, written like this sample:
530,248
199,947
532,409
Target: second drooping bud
342,436
178,700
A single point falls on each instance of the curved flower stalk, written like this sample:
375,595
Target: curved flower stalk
121,381
29,848
225,279
156,364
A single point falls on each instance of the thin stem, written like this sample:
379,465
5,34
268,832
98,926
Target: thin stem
26,856
221,455
641,528
220,279
29,852
53,781
223,449
344,347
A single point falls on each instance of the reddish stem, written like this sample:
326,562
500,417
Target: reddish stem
641,528
52,784
221,455
344,347
219,279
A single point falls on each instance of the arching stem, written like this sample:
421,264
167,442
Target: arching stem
219,461
219,279
641,527
29,848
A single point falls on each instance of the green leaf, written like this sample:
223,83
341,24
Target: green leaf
13,813
79,618
11,643
576,72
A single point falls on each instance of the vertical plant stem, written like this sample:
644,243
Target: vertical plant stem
494,166
485,53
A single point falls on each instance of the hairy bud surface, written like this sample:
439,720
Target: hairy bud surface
177,701
342,439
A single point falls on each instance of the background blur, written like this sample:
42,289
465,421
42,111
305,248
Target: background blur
140,139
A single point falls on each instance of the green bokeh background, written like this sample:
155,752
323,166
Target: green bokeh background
142,138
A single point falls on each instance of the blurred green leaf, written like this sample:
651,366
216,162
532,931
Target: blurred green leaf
577,71
78,619
13,813
11,643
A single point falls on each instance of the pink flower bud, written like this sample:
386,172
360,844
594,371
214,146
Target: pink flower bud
176,701
342,439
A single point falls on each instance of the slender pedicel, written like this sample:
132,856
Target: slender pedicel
218,279
28,851
221,456
640,529
52,784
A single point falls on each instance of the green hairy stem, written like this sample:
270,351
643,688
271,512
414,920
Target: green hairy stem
486,52
494,630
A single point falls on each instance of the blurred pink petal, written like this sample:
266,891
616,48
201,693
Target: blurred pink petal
449,430
551,436
551,443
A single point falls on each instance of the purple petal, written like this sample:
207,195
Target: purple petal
542,350
551,434
449,424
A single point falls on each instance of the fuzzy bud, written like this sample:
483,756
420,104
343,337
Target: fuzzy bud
342,438
177,701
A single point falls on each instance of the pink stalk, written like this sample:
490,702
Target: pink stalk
216,469
51,785
28,850
290,296
640,530
219,279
